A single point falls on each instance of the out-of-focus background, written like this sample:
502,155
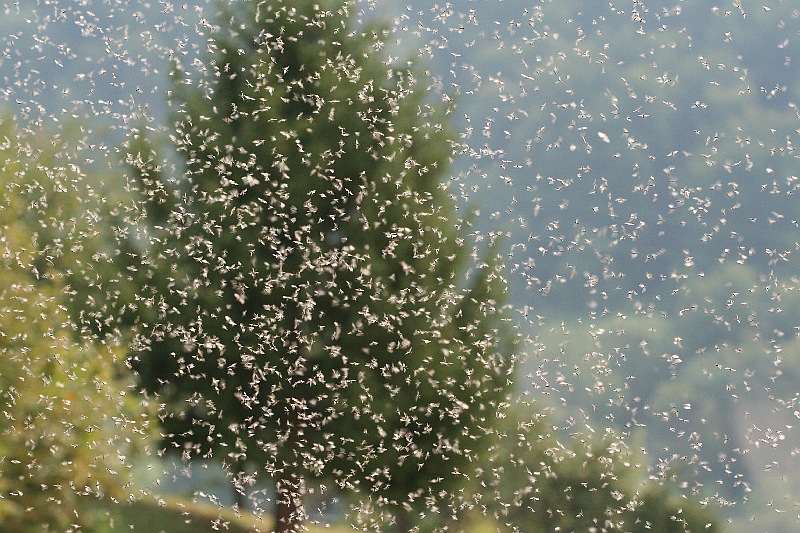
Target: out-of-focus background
633,164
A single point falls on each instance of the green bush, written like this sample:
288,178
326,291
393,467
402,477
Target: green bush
68,425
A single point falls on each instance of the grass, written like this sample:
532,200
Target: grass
174,514
178,515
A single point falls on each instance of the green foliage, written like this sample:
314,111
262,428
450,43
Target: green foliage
321,316
661,508
68,430
537,483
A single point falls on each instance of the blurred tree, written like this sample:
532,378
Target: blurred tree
319,313
68,430
536,483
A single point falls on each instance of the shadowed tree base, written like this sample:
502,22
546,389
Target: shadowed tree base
287,507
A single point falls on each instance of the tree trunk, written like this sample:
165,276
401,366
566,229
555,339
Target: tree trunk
239,492
287,507
403,522
239,485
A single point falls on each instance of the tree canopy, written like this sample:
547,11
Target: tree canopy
322,315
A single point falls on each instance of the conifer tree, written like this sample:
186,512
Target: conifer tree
320,314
